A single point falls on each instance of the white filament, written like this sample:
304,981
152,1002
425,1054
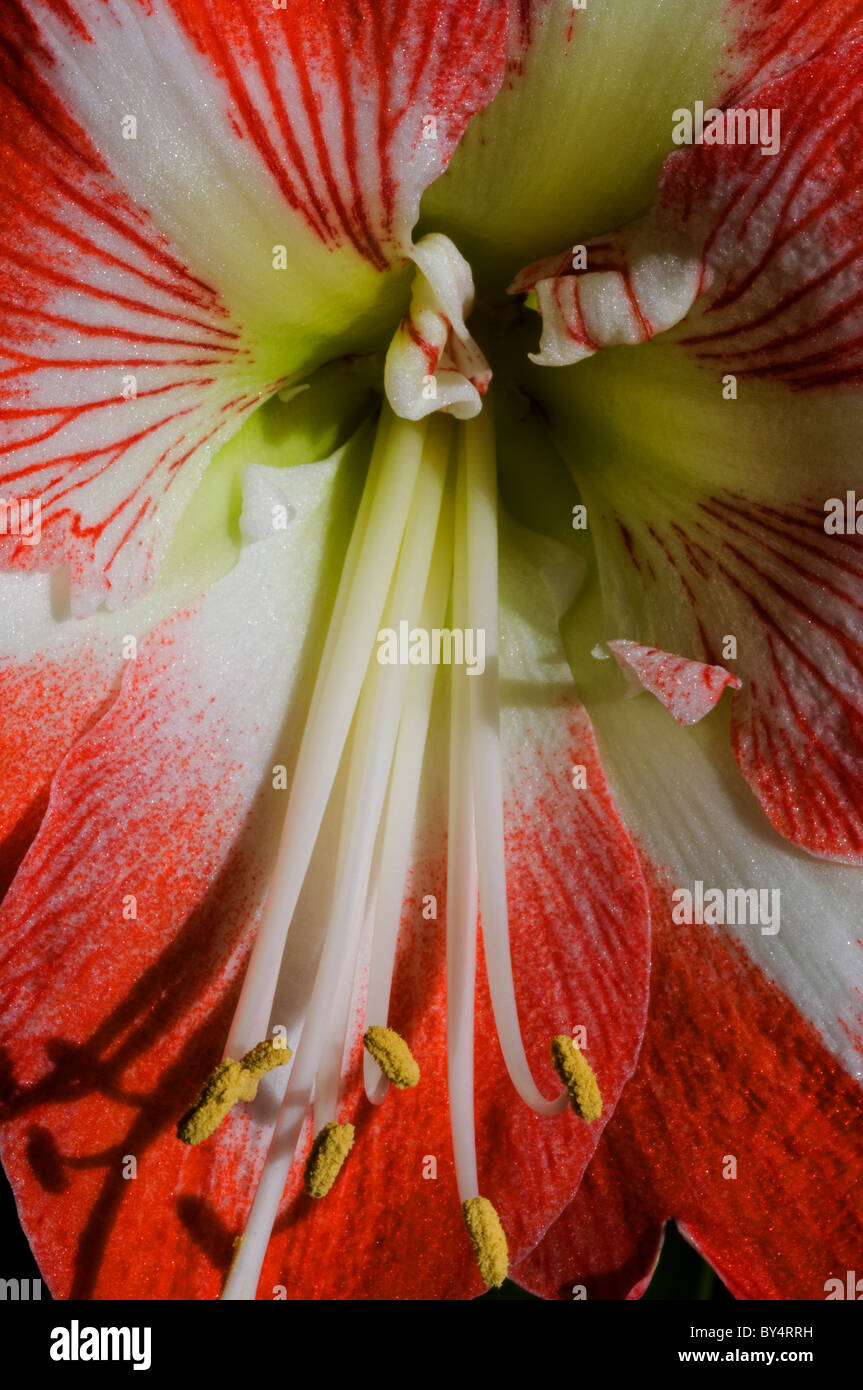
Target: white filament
393,856
360,602
379,712
372,752
478,463
461,893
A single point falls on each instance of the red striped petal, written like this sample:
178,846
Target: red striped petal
333,98
727,556
160,159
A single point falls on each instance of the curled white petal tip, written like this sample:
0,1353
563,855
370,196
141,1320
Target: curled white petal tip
636,284
433,363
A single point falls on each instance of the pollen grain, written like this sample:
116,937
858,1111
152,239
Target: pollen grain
488,1240
577,1076
230,1083
328,1153
393,1056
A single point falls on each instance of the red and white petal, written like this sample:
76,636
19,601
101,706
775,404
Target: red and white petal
57,677
688,689
692,813
634,284
125,927
753,1051
712,534
200,203
573,143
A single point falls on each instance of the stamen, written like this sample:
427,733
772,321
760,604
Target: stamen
461,892
393,1056
488,1240
230,1083
478,464
577,1076
328,1153
359,605
480,1218
378,717
394,844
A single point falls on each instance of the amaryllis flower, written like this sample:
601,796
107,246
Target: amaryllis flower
429,447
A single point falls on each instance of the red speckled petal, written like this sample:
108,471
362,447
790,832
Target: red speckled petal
57,677
729,1070
754,1045
49,699
732,544
688,689
127,920
199,202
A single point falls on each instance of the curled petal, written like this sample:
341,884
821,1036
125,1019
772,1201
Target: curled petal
635,285
433,363
689,689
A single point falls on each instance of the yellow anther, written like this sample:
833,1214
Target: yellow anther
577,1076
260,1060
324,1163
488,1240
393,1056
230,1083
219,1092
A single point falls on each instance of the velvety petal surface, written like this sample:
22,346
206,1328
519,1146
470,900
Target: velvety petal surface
742,1121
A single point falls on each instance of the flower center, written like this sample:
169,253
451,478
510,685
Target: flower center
424,547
